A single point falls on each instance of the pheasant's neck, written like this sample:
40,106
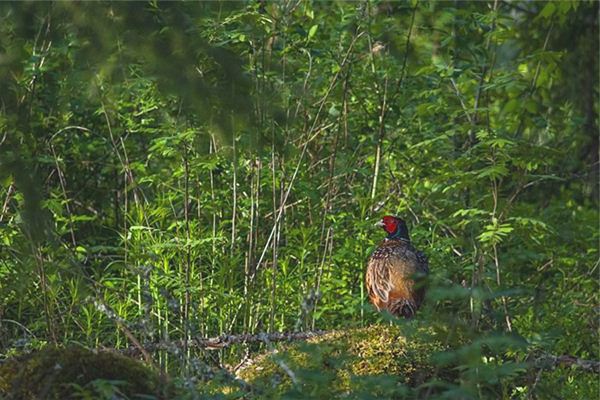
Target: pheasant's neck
401,233
398,236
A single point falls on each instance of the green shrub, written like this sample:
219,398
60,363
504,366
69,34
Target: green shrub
75,372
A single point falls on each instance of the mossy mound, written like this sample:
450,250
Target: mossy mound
376,362
75,372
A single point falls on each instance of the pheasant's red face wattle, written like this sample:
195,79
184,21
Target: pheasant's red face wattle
390,224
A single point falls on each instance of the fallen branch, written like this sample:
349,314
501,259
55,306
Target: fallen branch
549,361
542,362
223,341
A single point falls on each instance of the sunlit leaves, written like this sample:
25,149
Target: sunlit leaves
495,232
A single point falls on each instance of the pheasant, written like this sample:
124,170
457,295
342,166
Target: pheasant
392,270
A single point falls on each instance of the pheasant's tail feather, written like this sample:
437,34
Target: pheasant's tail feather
403,308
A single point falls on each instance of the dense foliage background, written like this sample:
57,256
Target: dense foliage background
174,170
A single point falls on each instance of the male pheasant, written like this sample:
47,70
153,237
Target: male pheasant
395,270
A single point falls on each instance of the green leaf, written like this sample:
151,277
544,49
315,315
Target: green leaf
511,106
499,143
492,172
312,31
548,10
531,106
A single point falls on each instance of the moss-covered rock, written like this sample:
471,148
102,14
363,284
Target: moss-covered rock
75,372
375,362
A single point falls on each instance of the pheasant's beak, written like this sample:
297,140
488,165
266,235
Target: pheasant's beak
380,224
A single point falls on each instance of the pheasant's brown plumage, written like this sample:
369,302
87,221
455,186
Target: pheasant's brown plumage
394,271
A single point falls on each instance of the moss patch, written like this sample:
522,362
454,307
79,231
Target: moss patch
376,362
55,373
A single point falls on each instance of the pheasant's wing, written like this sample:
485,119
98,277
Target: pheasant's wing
404,267
378,281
